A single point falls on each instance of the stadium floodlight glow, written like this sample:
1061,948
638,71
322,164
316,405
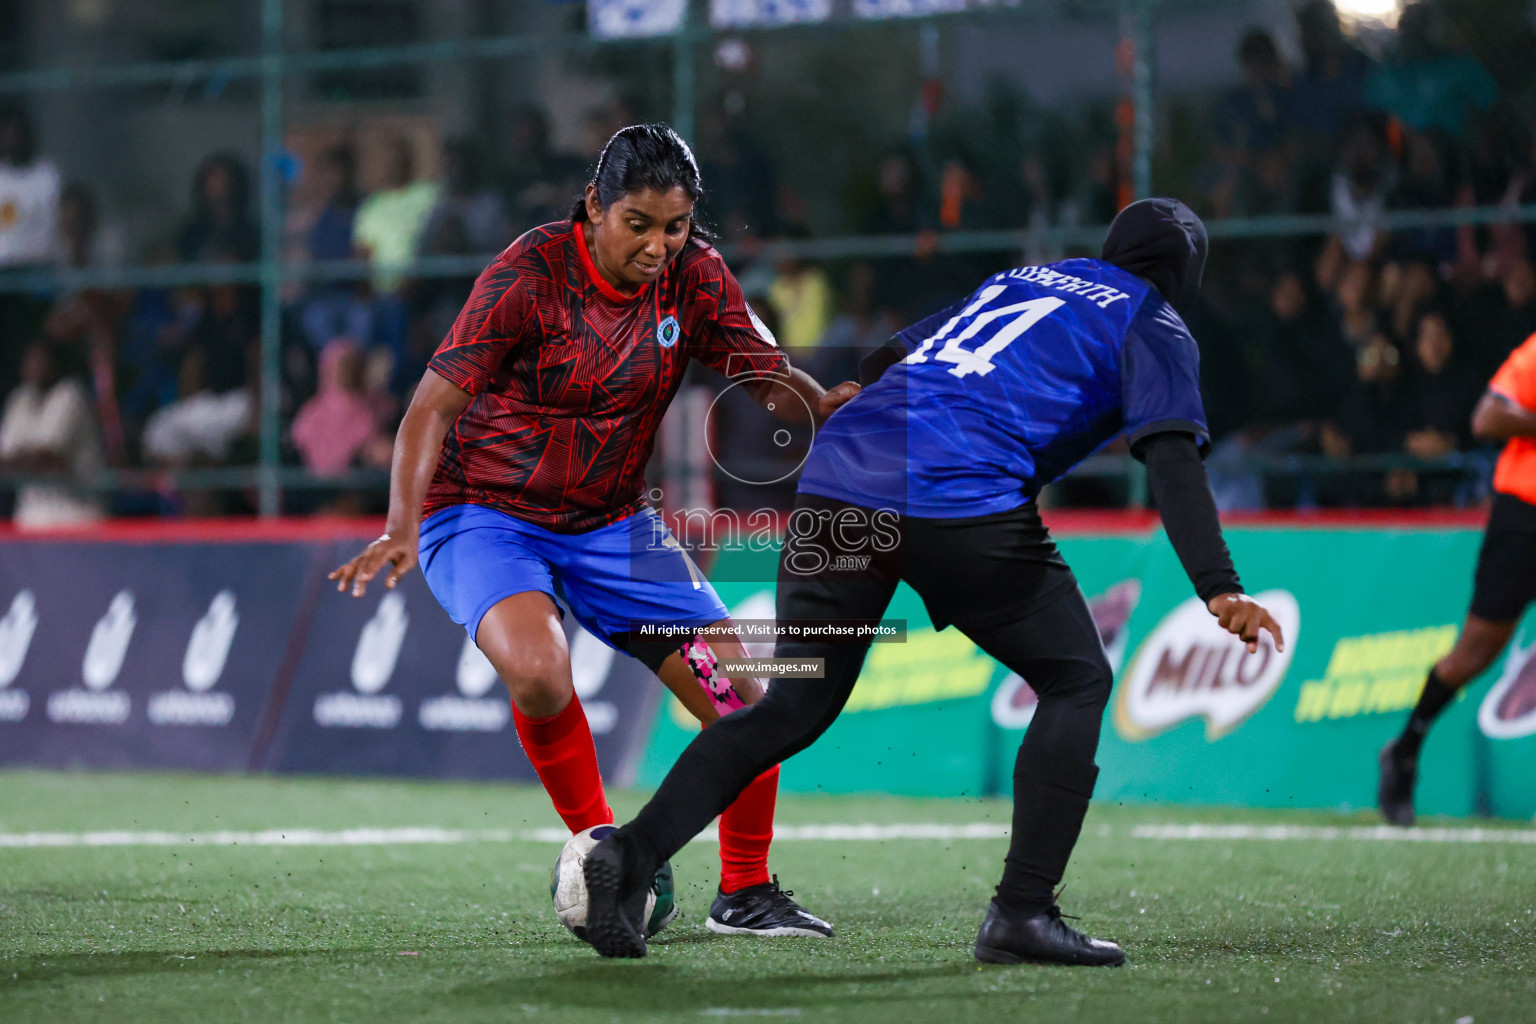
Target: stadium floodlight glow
1370,10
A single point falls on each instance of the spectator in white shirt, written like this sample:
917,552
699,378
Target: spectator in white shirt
29,195
48,428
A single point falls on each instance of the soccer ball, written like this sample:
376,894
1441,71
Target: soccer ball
568,886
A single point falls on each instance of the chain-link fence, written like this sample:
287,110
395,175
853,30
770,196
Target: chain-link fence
260,204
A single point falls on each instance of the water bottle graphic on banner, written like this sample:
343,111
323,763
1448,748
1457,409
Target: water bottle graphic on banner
378,648
476,675
212,637
109,642
591,660
16,630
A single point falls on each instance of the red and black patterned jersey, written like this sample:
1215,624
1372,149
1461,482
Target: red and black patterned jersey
570,377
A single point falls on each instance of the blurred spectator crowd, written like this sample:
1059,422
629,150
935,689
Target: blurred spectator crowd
1364,342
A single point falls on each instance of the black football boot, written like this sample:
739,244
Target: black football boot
1041,937
764,910
616,892
1394,791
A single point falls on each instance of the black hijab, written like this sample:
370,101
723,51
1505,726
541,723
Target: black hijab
1163,241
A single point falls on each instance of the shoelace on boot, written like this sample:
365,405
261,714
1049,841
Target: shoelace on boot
1054,910
780,896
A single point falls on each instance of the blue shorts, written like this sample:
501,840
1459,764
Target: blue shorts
614,579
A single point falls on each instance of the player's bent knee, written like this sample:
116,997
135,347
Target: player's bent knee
1477,648
1086,684
539,698
1458,669
539,682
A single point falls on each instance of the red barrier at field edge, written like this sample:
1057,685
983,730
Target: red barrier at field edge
1063,521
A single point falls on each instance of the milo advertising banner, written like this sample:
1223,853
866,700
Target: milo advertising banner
1195,718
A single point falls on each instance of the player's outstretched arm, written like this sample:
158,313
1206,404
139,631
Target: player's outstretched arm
1496,418
1178,483
789,395
418,444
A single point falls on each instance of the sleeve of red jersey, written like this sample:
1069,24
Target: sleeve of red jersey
1516,379
723,333
489,326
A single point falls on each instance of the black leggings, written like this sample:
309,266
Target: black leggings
999,580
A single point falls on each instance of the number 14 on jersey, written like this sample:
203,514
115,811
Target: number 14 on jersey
1003,331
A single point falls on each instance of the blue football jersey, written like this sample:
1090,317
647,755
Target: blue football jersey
1004,392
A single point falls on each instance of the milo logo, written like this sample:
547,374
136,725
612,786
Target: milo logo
1189,667
1509,710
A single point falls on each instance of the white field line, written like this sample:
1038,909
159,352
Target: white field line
270,837
1367,833
416,836
880,833
783,833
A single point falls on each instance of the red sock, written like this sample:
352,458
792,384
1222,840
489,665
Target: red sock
746,830
561,750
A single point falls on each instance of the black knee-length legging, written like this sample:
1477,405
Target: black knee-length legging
996,578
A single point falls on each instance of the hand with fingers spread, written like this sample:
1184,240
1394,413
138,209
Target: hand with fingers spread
1243,617
434,408
396,549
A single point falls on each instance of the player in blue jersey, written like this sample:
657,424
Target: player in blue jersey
929,476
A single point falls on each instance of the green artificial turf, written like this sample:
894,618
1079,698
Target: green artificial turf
1216,930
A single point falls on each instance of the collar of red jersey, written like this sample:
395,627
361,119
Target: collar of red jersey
608,291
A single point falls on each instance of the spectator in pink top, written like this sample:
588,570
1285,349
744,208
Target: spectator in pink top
339,426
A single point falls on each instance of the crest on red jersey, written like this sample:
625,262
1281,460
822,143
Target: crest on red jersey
667,332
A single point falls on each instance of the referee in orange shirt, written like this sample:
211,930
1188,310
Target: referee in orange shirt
1506,572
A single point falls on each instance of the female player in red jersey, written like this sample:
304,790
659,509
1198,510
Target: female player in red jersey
525,448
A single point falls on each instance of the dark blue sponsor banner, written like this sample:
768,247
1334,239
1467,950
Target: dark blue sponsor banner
225,654
159,655
388,684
